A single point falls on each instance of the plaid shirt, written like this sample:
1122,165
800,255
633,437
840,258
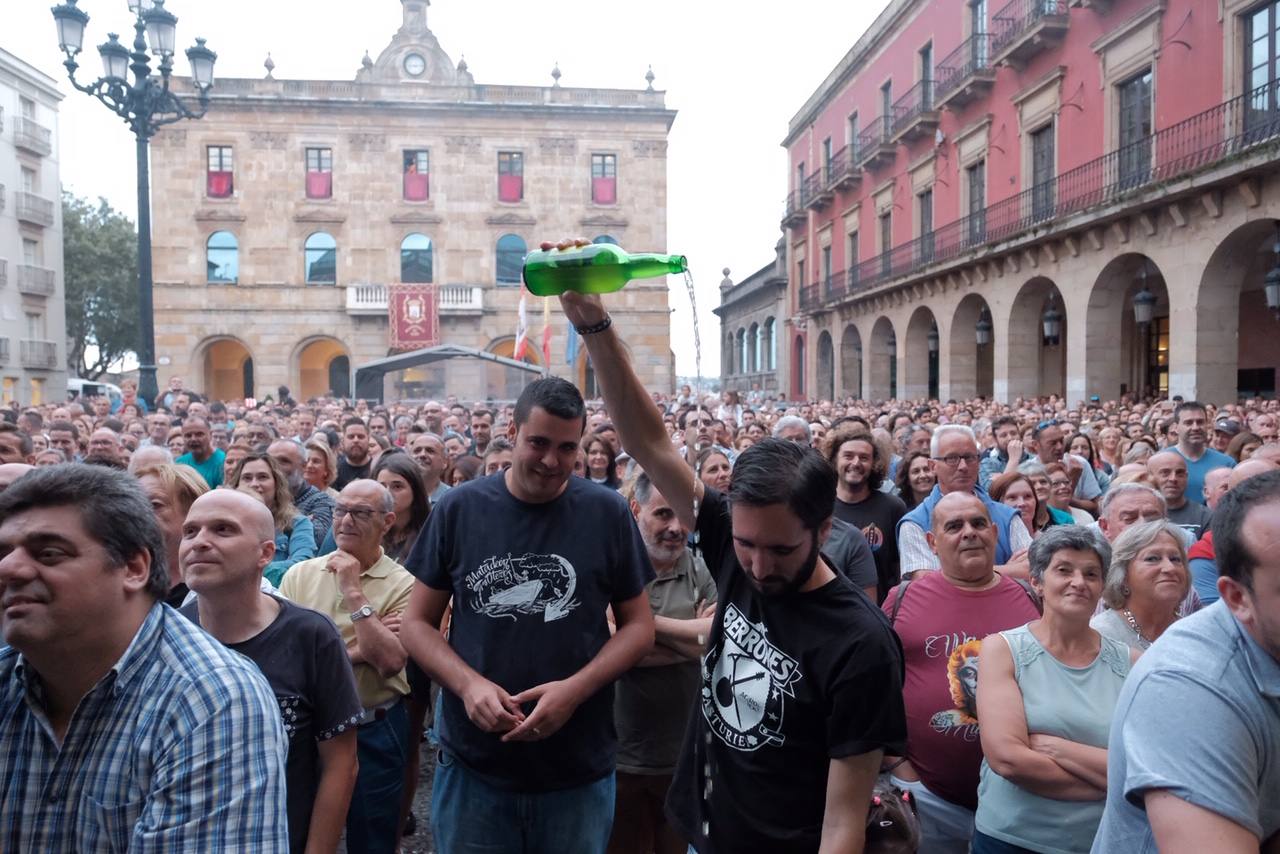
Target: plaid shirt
179,747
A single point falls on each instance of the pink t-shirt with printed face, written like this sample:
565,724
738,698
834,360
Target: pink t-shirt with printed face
941,627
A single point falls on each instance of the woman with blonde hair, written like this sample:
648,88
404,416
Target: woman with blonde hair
171,489
259,475
1146,584
321,467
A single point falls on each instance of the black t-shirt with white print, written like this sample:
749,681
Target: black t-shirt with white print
788,684
531,584
305,662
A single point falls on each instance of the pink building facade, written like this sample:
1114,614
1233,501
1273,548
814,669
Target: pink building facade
1076,197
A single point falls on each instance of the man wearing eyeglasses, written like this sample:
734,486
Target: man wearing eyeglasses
1049,445
364,592
954,460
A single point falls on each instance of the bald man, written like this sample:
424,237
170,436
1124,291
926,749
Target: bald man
1216,484
228,538
9,472
1168,470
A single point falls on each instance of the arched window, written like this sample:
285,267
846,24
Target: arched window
511,252
320,259
415,259
222,257
605,238
753,347
742,351
771,343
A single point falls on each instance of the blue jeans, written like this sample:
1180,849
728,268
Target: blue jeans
983,844
469,816
373,819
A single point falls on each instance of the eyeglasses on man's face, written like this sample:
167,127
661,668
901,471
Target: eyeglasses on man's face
361,514
954,460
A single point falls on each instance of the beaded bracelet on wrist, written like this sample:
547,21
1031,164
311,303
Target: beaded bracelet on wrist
595,327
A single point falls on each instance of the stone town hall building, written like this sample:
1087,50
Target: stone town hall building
281,218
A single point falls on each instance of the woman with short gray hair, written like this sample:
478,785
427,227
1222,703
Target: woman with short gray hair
1146,583
1046,693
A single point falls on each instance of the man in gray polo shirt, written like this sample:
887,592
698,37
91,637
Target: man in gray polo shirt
655,698
1212,783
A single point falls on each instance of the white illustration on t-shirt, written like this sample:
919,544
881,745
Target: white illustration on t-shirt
743,697
506,586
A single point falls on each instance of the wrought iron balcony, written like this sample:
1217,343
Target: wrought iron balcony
1024,28
36,281
818,190
33,353
32,136
4,351
966,74
1220,134
810,297
795,213
914,114
843,172
33,209
875,144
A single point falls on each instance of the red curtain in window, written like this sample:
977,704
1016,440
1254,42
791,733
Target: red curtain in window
219,185
417,187
510,188
319,185
604,191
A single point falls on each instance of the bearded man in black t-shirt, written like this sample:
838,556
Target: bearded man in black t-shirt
801,689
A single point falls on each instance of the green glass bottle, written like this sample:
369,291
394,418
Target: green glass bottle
598,268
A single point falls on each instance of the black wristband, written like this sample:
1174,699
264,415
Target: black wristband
595,327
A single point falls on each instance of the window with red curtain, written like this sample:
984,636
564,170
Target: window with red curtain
510,176
319,173
417,175
604,179
219,183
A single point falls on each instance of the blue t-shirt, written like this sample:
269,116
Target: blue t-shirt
1226,760
210,469
530,585
1197,469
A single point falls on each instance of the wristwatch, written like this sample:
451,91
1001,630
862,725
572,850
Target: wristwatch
361,613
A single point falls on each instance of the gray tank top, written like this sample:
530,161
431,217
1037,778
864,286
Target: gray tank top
1074,703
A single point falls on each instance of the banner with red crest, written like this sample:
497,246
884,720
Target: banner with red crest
414,315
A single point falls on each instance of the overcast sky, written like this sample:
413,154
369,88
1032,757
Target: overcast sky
736,72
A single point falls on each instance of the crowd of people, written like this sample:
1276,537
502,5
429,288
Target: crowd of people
647,623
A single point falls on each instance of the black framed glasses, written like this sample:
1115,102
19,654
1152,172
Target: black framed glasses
954,460
361,514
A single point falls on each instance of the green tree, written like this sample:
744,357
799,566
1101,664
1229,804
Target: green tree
100,263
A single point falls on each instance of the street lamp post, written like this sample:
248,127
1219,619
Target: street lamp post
146,105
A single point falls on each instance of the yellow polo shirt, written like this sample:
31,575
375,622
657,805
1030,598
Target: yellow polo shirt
386,585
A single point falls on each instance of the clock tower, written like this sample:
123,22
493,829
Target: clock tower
414,54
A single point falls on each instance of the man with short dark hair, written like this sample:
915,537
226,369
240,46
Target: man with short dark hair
65,436
15,445
801,686
355,462
201,455
481,431
527,737
108,697
1193,422
1008,453
1212,784
228,538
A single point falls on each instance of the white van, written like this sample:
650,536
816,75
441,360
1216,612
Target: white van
80,389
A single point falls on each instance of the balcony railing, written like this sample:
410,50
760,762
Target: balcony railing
33,353
843,171
810,297
35,281
914,114
371,300
966,73
33,209
795,213
4,351
32,136
875,143
1222,132
1026,27
817,190
4,273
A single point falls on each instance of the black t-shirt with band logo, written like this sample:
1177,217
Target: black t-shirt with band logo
788,684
